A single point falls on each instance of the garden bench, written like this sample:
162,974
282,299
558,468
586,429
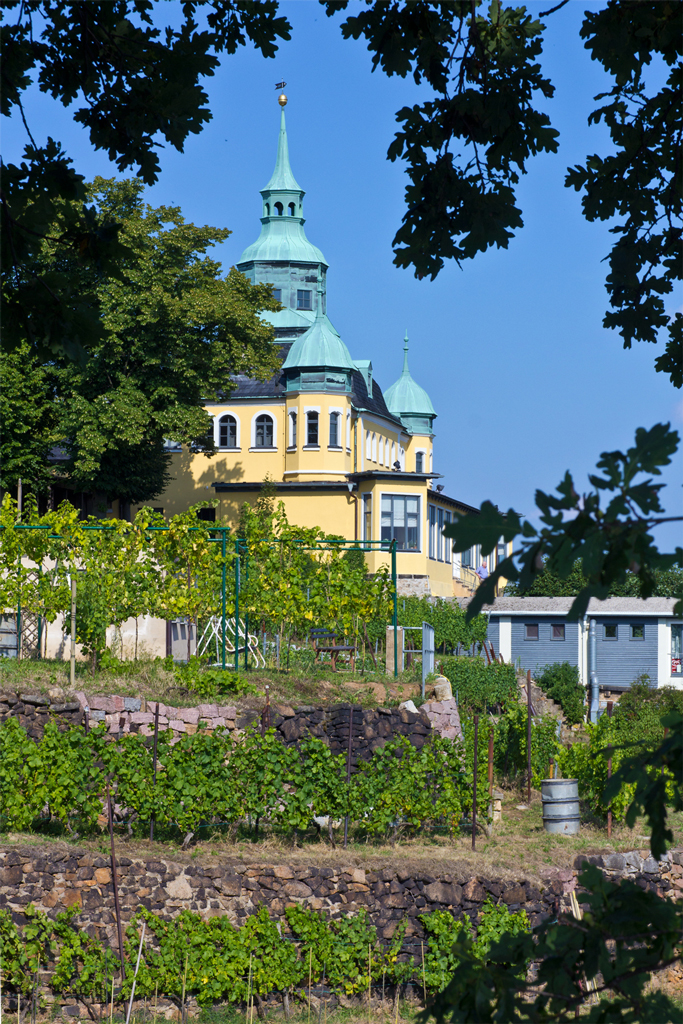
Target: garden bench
323,643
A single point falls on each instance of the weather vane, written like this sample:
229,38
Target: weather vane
282,99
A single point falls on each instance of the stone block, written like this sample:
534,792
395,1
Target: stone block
101,703
177,725
189,715
297,889
11,876
358,875
102,875
514,894
228,712
474,891
615,862
282,871
141,718
179,888
132,704
208,710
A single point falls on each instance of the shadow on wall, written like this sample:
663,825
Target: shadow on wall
193,476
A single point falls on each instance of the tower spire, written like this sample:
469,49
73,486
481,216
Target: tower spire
282,177
406,371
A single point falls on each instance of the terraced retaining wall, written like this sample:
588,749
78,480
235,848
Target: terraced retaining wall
54,879
370,728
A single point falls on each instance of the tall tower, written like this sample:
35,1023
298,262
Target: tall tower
282,255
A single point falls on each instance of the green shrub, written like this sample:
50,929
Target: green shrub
638,714
561,683
510,750
480,686
446,932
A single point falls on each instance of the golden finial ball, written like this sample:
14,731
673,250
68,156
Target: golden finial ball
282,100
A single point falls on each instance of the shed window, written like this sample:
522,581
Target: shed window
557,630
531,631
312,428
264,432
637,631
303,299
227,432
676,644
610,631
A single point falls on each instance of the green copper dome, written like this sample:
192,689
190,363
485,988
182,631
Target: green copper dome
320,346
409,401
282,237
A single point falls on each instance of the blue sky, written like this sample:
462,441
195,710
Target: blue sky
511,348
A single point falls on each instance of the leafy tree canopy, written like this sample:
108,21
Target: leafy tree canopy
667,583
466,147
139,88
173,332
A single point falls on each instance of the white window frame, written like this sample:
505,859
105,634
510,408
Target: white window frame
423,452
368,445
293,428
348,431
217,431
374,447
420,525
380,450
311,447
260,448
335,410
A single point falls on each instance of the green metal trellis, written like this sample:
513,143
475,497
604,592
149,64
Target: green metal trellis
221,539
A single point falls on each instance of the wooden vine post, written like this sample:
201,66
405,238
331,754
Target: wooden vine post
528,736
474,790
610,705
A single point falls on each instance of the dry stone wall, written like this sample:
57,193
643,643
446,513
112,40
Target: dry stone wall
370,729
56,879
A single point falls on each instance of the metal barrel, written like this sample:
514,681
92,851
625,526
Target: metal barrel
561,806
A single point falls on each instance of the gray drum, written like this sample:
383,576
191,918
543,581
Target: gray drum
561,806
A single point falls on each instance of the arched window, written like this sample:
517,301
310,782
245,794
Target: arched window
374,448
334,430
278,209
292,210
419,462
312,428
227,432
267,209
292,430
264,431
380,454
368,445
348,430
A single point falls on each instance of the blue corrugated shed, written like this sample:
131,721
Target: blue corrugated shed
533,654
622,660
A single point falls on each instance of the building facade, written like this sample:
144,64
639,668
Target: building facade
342,454
635,638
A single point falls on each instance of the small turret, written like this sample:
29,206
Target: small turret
409,401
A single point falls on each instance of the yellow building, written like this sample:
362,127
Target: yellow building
343,455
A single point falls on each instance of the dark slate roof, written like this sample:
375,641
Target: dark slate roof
249,388
374,402
275,387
